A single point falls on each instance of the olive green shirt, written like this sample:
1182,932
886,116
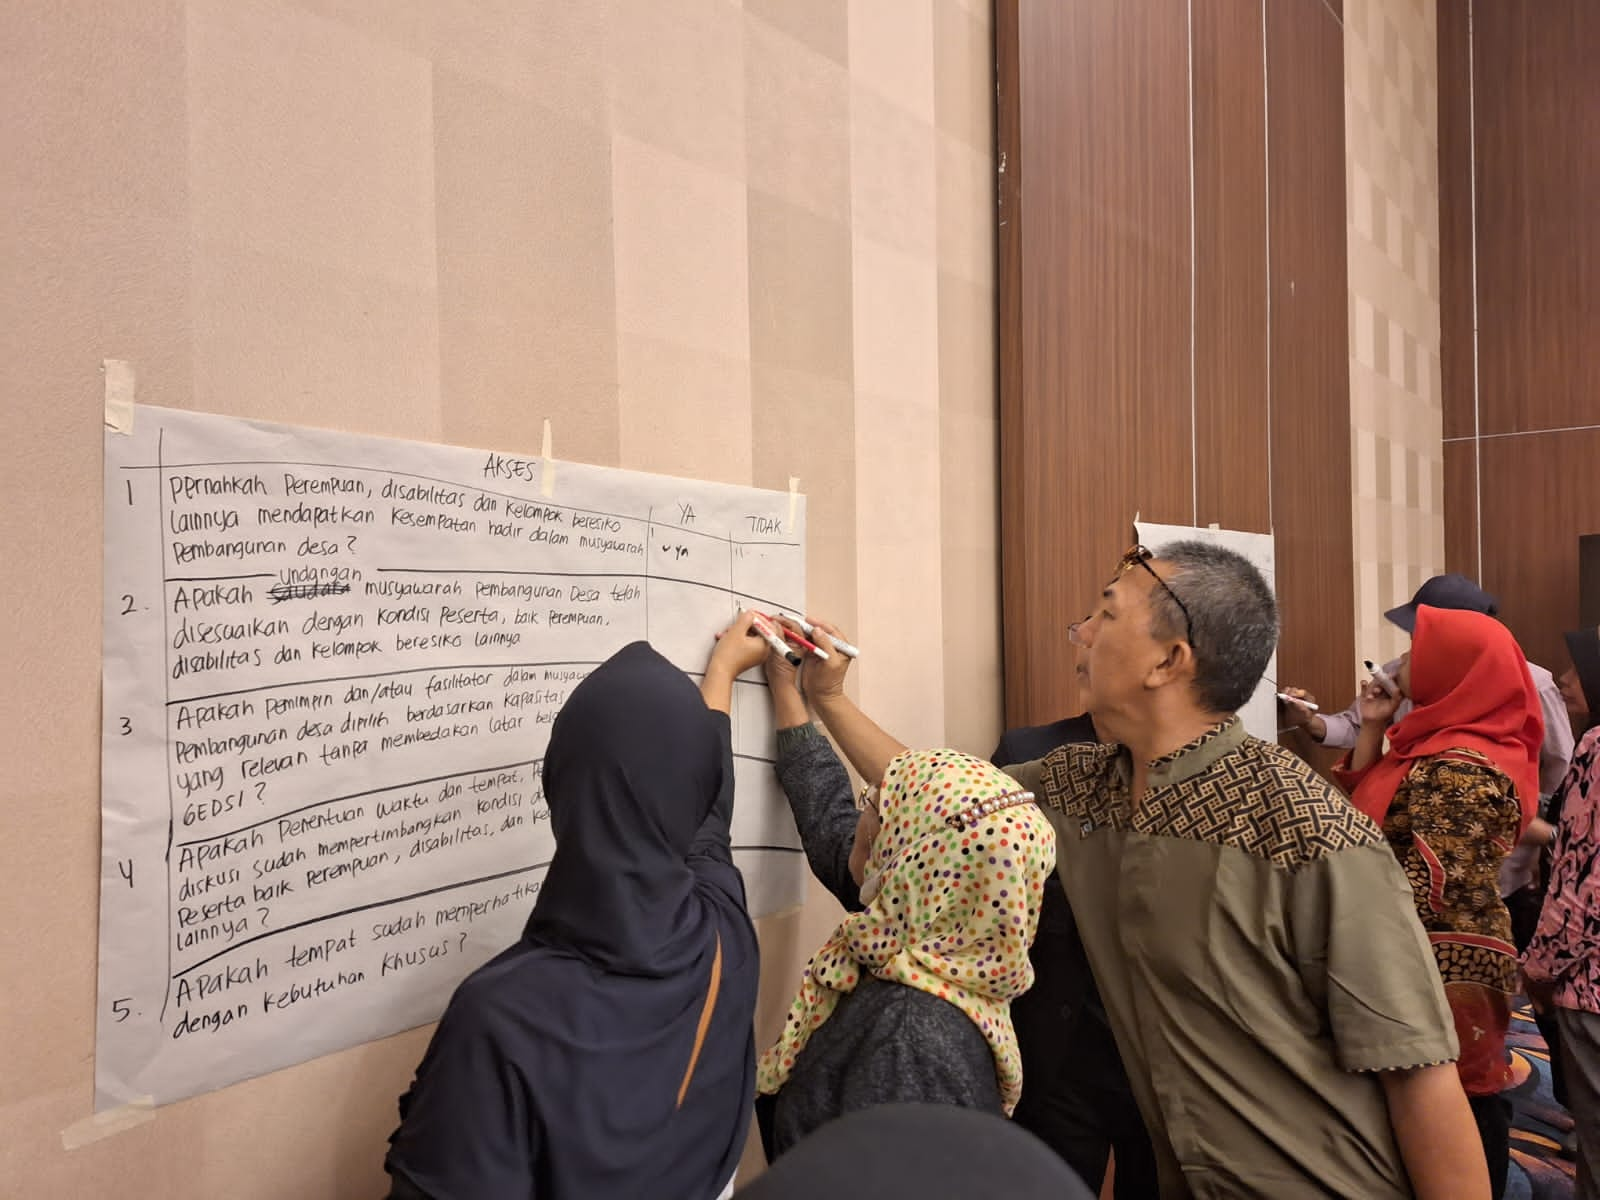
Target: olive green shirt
1259,955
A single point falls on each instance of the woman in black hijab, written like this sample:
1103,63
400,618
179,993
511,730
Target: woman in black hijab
609,1053
1580,684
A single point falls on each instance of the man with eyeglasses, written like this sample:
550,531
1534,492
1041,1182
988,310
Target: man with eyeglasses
1271,992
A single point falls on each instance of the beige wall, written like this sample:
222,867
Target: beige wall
1396,414
732,242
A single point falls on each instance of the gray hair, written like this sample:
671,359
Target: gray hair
1234,619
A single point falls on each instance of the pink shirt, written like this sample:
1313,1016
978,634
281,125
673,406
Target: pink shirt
1566,948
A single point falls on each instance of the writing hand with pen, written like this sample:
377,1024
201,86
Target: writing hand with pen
821,678
799,668
818,678
738,648
1300,711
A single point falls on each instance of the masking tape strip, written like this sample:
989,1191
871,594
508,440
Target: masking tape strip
109,1123
120,384
794,500
547,473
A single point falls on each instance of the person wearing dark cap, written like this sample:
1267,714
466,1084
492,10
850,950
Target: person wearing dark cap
1580,683
1342,730
920,1151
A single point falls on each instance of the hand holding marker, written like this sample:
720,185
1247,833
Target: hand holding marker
804,643
1382,679
763,625
839,644
775,631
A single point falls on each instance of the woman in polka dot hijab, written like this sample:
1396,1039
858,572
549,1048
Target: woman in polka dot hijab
951,896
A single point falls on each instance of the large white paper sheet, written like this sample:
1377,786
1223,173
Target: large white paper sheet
1261,713
331,663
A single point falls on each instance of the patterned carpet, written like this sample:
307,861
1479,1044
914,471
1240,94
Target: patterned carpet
1538,1172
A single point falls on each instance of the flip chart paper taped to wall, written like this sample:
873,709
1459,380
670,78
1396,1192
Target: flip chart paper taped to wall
331,663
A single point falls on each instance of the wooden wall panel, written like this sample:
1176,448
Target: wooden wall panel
1455,230
1097,425
1538,197
1230,310
1461,507
1020,577
1310,373
1588,580
1540,492
1525,113
1135,372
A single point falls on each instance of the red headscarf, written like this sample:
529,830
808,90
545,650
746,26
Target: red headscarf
1472,691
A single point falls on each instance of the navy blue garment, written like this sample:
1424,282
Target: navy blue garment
930,1151
556,1068
1075,1091
1025,743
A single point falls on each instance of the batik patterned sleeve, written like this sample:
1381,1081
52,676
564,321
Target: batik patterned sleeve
1458,822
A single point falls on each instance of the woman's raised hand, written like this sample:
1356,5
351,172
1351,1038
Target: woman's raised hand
1376,703
821,679
739,647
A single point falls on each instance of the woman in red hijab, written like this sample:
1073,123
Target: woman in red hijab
1456,788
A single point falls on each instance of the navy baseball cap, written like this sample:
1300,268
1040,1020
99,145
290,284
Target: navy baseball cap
1444,591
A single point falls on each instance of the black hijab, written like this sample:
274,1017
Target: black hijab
556,1069
1584,646
633,767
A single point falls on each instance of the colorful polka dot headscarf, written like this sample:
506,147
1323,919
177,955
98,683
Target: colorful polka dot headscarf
960,861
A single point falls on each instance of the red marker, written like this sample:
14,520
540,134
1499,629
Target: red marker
763,626
794,637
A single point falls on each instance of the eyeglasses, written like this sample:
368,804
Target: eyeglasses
1140,556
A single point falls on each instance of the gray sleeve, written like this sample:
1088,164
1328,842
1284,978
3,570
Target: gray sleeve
1556,753
814,780
1342,728
935,1056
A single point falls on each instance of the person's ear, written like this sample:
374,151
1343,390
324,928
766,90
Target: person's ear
1177,665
